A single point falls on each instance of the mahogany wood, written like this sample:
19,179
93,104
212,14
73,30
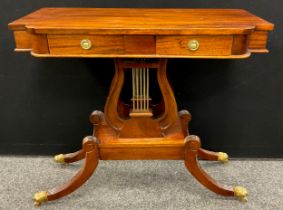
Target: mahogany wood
70,44
137,44
192,146
110,109
185,118
39,44
223,33
207,155
240,44
208,45
257,42
142,149
140,21
23,41
159,132
171,111
74,157
91,151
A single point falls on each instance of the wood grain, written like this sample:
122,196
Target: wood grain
40,44
143,149
240,43
140,21
208,45
192,145
70,44
149,33
257,42
23,41
139,44
91,151
159,132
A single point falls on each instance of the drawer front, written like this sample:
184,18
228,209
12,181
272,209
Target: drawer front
108,45
85,44
201,45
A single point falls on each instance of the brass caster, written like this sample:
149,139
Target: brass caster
241,193
59,158
40,198
223,157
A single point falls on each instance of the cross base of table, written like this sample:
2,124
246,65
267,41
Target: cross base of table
120,135
189,151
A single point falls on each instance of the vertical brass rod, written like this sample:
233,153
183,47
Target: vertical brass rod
142,89
133,88
140,99
147,88
144,95
137,83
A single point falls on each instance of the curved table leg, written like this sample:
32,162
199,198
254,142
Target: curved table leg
70,158
90,149
210,155
96,118
192,146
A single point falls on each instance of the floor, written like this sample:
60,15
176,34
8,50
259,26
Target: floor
140,185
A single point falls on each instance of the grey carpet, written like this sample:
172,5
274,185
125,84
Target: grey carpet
140,185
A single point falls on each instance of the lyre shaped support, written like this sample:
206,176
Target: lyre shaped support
141,116
111,114
170,105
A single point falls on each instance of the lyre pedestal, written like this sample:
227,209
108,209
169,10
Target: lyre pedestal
144,123
139,129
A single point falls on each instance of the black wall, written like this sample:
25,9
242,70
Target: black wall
236,104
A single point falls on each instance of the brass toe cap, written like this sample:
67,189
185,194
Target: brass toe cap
223,157
241,193
59,158
40,198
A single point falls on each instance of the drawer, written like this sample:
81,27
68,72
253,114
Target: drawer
200,45
101,45
85,44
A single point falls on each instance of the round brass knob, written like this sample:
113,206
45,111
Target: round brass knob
193,45
86,44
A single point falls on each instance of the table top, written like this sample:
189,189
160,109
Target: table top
141,21
141,33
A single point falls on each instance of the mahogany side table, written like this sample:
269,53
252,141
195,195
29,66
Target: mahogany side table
143,126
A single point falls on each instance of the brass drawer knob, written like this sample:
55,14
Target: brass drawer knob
86,44
193,45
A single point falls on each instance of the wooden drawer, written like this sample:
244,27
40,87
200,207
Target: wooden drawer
207,45
136,45
101,45
71,44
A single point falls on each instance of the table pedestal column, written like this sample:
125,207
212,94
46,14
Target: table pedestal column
141,128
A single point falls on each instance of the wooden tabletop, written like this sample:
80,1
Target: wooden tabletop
141,33
141,21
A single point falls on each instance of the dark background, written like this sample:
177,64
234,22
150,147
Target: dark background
236,104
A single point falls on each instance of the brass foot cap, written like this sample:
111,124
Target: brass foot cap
241,193
223,157
59,158
39,198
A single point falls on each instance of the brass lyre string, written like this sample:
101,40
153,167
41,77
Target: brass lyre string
140,98
140,88
137,88
134,88
147,88
144,96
